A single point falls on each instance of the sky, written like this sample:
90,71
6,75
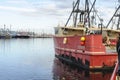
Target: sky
44,15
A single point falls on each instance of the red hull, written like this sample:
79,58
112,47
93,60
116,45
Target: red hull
92,54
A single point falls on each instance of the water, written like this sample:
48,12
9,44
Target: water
26,59
33,59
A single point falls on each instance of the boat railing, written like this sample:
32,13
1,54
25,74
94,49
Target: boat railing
114,74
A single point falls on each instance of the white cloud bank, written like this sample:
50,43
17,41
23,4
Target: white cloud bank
17,9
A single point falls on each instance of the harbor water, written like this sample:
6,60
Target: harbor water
33,59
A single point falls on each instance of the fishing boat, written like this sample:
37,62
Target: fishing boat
83,44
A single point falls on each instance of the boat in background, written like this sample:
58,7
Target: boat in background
84,44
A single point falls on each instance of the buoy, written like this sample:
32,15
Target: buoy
82,38
82,41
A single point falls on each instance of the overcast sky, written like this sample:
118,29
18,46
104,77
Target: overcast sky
43,15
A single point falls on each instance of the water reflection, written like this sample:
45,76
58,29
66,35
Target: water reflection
64,71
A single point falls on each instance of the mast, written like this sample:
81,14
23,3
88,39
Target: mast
86,16
118,21
116,14
79,15
76,12
72,12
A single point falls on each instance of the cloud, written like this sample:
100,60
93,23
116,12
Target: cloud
56,8
48,8
17,9
16,1
36,8
62,4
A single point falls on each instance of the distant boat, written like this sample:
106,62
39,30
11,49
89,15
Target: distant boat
21,35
